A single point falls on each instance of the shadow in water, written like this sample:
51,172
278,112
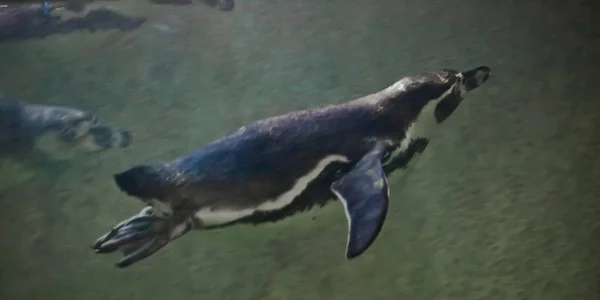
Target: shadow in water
27,21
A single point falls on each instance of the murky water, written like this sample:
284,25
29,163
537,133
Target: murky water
502,206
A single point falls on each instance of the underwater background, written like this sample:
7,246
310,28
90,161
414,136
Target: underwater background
503,205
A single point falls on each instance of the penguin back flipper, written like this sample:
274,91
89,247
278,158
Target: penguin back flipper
364,193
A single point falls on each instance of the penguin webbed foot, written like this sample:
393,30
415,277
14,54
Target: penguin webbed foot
108,137
75,129
93,136
416,147
137,237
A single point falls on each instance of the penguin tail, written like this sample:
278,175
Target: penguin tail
144,182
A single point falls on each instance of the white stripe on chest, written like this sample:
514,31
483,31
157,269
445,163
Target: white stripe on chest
208,216
424,126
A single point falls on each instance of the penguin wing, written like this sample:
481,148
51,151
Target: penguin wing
365,195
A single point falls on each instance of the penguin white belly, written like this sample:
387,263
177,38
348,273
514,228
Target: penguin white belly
212,217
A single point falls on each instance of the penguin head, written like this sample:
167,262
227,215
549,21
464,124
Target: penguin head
459,85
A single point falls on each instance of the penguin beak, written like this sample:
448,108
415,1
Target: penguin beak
475,77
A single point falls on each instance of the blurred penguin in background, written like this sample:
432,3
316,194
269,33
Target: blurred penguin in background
20,20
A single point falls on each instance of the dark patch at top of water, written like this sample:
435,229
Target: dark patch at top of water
26,22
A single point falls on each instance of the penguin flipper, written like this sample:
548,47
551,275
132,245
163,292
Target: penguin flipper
365,195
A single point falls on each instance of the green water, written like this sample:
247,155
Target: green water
504,205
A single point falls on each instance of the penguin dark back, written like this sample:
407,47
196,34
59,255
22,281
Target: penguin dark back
21,22
277,167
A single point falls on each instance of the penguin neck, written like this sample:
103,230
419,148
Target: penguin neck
423,126
420,123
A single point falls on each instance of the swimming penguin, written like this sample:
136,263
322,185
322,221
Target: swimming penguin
277,167
24,126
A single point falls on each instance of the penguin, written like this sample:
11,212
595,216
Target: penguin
276,167
26,127
27,21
